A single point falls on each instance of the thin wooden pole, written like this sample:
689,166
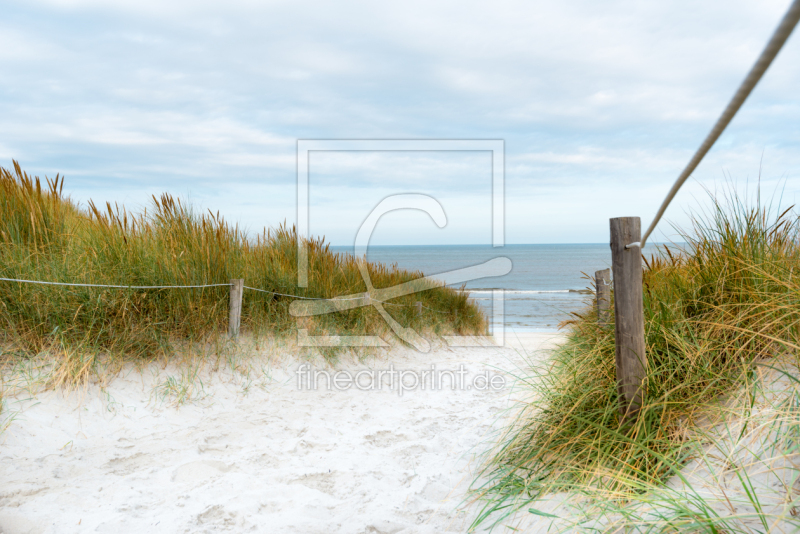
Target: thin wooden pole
419,308
602,281
235,308
628,312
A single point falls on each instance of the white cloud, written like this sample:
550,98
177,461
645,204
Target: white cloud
18,46
595,100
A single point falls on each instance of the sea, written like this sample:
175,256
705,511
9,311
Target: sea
546,283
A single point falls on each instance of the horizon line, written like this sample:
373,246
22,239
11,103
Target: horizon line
506,245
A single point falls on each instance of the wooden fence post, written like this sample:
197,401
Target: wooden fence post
602,281
235,308
419,308
628,312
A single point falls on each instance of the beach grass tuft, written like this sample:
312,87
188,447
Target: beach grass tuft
716,309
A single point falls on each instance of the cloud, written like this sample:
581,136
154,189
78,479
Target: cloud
595,100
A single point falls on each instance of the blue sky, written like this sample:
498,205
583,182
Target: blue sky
600,104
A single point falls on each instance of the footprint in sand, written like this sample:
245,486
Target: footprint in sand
214,443
324,482
384,438
200,470
217,516
384,527
125,465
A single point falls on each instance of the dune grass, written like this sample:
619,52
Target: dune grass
46,236
724,303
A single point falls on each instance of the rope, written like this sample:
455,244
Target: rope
199,286
189,287
773,47
108,285
435,311
297,296
341,299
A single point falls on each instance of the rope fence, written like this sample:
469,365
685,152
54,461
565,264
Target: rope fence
298,296
627,243
236,286
108,285
114,286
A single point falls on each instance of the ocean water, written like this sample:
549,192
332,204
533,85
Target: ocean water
542,289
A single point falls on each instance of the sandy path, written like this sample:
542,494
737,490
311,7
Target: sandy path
270,459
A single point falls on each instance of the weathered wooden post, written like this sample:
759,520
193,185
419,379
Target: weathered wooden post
626,262
602,281
235,308
419,308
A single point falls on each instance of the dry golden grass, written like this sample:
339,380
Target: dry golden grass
46,236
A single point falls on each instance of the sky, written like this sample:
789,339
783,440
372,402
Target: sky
600,106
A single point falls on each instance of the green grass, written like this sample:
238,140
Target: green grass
46,236
727,301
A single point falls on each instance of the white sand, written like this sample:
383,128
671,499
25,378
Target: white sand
259,457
